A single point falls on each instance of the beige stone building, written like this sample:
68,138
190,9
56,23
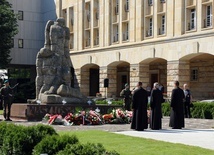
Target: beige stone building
128,41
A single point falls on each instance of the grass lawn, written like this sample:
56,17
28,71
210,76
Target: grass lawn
127,145
1,112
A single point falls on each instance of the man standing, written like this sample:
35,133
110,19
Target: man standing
155,104
177,108
126,93
6,93
139,106
188,100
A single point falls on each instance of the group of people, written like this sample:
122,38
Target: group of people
180,106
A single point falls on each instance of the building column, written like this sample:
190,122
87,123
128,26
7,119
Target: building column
134,75
103,75
80,24
84,82
144,74
177,70
109,72
77,78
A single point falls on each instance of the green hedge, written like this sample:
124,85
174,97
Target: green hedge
20,140
53,144
34,140
119,102
86,149
201,110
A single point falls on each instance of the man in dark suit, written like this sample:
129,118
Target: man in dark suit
6,93
177,107
139,106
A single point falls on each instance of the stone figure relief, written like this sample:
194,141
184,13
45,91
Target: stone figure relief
53,64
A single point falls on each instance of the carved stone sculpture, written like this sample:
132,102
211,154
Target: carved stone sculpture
53,65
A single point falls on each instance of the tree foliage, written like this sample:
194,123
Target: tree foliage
8,29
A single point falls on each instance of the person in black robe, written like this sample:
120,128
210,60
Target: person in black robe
155,105
177,107
139,107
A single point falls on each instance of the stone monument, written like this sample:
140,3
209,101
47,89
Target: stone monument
53,65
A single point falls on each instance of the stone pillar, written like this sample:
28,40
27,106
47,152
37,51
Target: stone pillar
177,70
112,76
184,73
103,75
139,26
134,75
80,24
77,78
85,77
144,75
110,73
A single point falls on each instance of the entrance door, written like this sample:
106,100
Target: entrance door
153,79
94,82
122,79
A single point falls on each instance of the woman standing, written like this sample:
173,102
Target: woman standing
155,105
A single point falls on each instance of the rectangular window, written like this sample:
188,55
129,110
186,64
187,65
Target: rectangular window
192,19
162,1
20,43
209,16
150,2
194,74
150,26
163,25
127,6
20,15
117,8
116,35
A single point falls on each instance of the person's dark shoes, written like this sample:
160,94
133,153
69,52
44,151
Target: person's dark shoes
8,119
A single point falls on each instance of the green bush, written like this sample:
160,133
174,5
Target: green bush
201,110
86,149
20,140
165,109
53,144
119,102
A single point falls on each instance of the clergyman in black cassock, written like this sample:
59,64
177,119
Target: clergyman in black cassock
139,106
177,107
155,105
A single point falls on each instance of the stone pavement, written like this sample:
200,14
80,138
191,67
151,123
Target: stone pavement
197,132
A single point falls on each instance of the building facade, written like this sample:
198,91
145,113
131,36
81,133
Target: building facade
127,41
32,16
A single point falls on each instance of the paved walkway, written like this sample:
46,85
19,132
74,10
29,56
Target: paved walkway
197,132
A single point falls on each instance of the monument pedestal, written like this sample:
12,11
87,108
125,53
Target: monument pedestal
35,112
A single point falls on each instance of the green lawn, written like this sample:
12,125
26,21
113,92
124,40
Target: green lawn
127,145
1,112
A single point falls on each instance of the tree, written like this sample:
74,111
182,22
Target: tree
8,29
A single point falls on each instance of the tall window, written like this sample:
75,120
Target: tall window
150,27
163,24
20,43
194,74
20,15
192,19
208,16
117,7
127,6
150,2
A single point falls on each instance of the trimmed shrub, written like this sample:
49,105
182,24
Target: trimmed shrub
201,110
20,140
119,102
53,144
86,149
165,109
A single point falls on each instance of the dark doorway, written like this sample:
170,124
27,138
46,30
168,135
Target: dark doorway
94,82
153,79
